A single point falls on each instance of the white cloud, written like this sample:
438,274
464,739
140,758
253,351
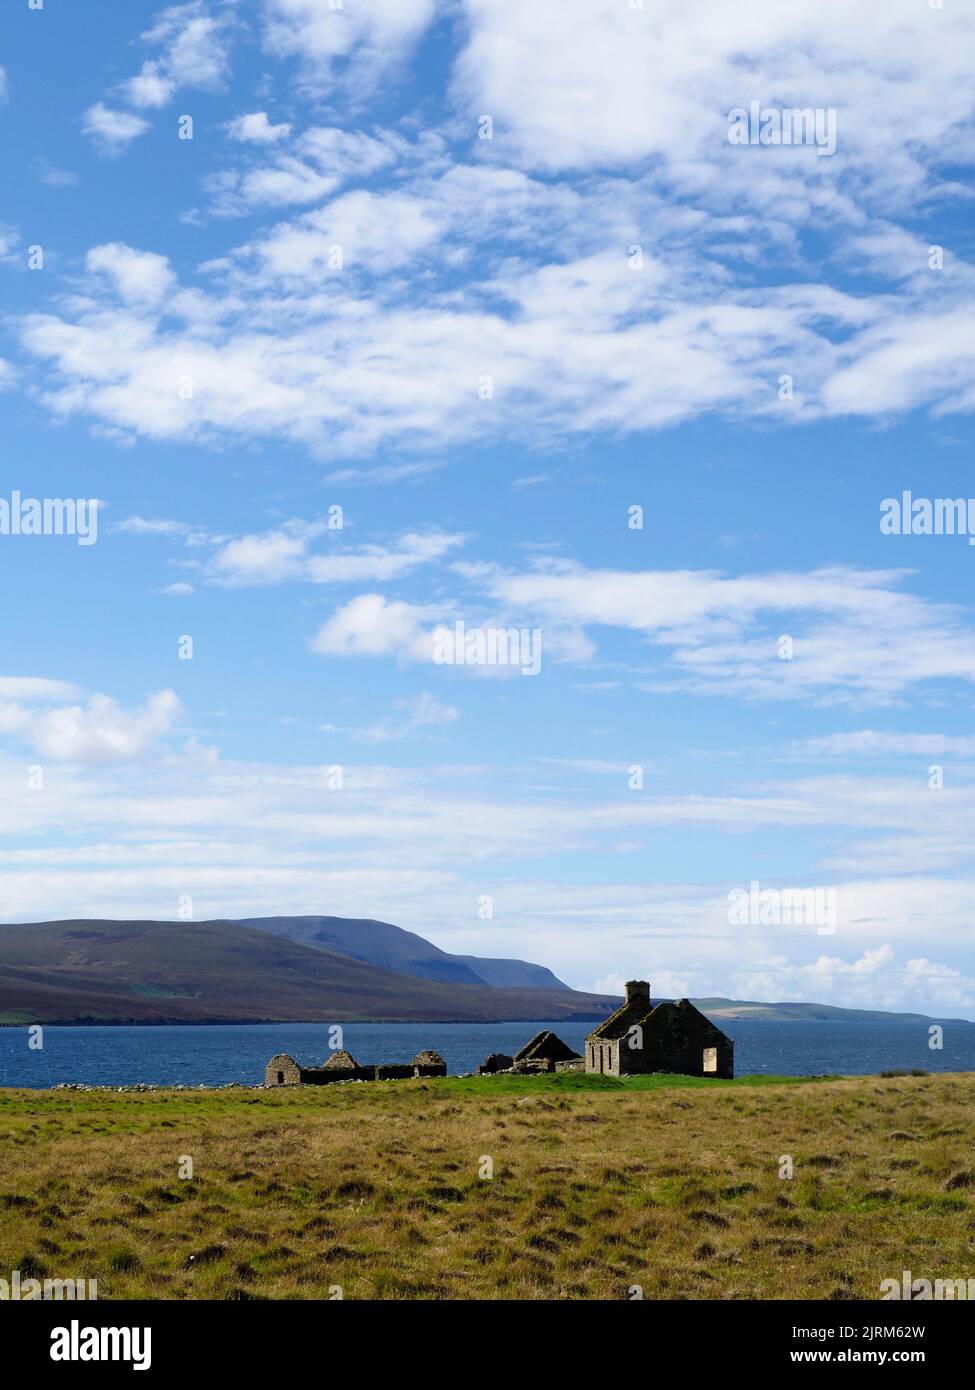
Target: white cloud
372,625
355,153
151,87
875,980
467,273
360,223
289,347
879,743
155,526
855,635
438,217
383,473
607,84
427,710
255,128
318,162
275,556
351,46
380,563
903,363
97,731
266,559
111,128
288,180
422,712
140,277
54,177
852,635
35,688
101,729
194,54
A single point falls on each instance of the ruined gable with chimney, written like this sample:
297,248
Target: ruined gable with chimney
642,1037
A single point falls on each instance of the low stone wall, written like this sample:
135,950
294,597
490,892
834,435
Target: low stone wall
324,1076
283,1070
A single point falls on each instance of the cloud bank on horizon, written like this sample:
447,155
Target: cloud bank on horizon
457,389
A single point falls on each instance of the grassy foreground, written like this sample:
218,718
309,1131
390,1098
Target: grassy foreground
598,1185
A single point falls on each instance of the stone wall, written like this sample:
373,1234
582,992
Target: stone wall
324,1076
602,1056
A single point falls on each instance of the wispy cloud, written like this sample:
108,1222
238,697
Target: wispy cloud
351,47
193,53
111,128
880,743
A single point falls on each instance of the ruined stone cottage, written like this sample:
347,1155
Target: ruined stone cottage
643,1037
545,1052
283,1070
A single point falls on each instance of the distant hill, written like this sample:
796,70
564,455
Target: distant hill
100,971
800,1013
382,943
513,974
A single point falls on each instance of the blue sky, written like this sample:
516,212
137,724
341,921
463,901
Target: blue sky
336,294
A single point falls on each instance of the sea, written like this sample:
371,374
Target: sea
228,1054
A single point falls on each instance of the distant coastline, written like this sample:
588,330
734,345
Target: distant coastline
741,1010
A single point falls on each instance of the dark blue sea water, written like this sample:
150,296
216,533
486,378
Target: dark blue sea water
217,1055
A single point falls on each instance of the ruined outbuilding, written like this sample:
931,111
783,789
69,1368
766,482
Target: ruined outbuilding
642,1037
545,1051
429,1063
283,1070
495,1062
342,1061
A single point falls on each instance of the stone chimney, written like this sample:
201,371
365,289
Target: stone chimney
638,989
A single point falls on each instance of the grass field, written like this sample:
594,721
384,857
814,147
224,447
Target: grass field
598,1185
